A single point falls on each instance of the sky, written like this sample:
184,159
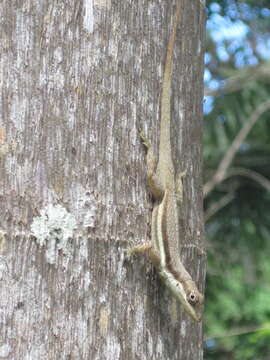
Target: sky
232,37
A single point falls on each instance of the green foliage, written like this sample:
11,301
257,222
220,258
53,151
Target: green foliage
237,316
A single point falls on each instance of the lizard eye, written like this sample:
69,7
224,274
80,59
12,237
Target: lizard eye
192,298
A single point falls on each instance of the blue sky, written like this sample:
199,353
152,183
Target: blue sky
231,36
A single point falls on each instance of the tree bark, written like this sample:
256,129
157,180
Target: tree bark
77,77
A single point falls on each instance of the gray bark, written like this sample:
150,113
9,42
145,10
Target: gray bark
76,78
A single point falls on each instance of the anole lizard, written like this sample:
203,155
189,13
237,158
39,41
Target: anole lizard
167,191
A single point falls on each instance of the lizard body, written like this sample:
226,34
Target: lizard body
167,191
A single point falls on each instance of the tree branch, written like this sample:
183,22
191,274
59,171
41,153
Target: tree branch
240,81
226,199
238,331
228,157
237,171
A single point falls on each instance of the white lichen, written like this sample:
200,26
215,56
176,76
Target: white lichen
53,229
5,350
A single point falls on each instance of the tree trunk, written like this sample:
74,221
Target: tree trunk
76,78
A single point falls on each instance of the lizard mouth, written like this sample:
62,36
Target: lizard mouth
178,291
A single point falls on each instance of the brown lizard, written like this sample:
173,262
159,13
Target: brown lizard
167,191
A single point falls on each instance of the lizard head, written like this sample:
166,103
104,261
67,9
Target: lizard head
194,296
186,293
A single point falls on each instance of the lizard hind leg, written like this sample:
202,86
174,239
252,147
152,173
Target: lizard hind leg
151,164
179,186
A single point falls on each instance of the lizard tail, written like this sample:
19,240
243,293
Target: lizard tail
165,112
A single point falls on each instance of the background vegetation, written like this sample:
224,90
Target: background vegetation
237,180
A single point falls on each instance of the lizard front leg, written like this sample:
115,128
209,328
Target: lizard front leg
146,249
149,248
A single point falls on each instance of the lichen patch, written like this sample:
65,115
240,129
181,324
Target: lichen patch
53,229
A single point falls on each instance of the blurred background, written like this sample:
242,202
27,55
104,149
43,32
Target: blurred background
237,180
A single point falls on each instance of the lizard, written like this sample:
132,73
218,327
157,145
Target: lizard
167,191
